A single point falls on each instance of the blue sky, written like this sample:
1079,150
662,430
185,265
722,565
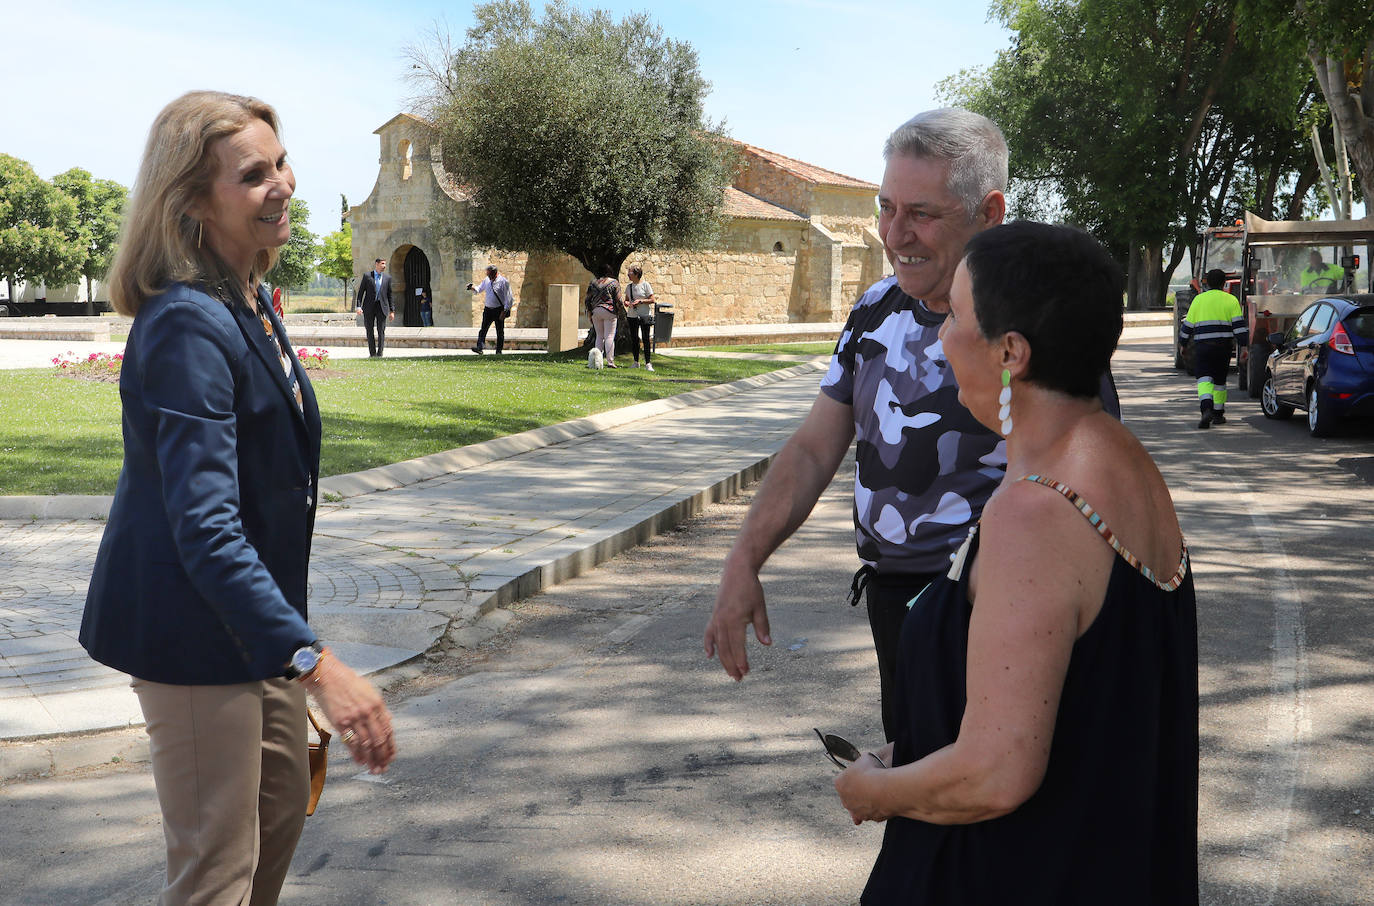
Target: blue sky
820,80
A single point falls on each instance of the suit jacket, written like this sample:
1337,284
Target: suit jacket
201,573
368,296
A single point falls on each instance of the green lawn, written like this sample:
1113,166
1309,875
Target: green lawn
60,435
774,348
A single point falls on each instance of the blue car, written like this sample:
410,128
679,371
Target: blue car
1323,364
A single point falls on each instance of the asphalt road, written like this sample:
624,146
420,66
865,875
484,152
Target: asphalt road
587,753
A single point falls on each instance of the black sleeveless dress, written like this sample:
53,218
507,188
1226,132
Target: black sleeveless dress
1115,820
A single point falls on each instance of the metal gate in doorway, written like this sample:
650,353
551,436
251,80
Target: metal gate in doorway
415,269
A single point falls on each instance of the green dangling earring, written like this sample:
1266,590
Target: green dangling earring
1005,400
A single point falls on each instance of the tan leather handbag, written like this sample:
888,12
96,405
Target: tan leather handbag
319,761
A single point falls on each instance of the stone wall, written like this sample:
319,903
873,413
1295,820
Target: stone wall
843,210
723,287
764,179
763,272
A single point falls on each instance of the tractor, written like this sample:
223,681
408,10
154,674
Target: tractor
1276,268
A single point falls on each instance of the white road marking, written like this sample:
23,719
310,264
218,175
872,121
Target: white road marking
1288,726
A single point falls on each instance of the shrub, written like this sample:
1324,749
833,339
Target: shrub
98,366
313,359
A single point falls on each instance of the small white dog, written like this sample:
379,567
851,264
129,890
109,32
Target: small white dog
595,360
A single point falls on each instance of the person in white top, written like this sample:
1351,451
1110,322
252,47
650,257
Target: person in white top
495,308
639,302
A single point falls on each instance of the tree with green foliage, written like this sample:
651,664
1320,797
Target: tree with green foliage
336,256
574,132
296,263
1142,125
99,213
1340,45
40,235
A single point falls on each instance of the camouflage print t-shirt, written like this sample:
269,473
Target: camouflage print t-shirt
924,465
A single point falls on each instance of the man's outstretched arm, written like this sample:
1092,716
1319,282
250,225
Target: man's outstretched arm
799,473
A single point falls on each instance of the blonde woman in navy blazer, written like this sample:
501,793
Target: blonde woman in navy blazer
199,588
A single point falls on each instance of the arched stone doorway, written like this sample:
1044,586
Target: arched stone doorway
415,271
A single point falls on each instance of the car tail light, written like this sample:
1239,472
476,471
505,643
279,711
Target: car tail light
1340,340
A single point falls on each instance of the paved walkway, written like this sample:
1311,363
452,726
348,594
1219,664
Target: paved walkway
406,555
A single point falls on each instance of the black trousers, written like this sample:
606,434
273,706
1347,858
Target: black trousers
1211,360
639,326
373,313
887,598
492,316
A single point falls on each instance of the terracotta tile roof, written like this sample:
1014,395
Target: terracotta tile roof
803,170
742,204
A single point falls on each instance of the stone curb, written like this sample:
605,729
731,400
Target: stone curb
584,557
66,506
55,330
54,755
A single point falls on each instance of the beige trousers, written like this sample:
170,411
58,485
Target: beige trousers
604,322
233,779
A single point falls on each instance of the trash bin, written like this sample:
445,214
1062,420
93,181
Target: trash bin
663,322
1182,299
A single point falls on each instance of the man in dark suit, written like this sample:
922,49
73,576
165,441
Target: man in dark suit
374,304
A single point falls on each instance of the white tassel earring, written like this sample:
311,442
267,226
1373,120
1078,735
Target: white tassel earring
1005,400
200,232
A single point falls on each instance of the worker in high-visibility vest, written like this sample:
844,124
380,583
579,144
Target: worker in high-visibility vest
1320,277
1214,321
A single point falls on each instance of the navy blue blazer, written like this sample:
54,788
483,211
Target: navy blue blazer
368,295
201,574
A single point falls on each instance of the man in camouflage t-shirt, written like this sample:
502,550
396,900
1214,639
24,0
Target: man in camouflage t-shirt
924,466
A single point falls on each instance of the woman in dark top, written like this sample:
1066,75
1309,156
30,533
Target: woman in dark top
604,306
199,586
1048,744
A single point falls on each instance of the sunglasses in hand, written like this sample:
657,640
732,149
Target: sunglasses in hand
843,752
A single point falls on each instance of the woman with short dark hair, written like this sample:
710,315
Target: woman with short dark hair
1046,750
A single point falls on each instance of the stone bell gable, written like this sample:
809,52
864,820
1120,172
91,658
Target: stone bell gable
799,245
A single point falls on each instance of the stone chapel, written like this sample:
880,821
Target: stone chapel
800,244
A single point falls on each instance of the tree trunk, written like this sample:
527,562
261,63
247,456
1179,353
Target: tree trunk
1307,178
600,261
1268,186
90,296
1145,285
1356,128
1176,252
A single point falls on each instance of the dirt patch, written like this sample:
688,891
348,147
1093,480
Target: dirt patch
99,377
112,377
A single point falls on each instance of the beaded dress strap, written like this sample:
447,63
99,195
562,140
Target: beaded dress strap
1095,519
